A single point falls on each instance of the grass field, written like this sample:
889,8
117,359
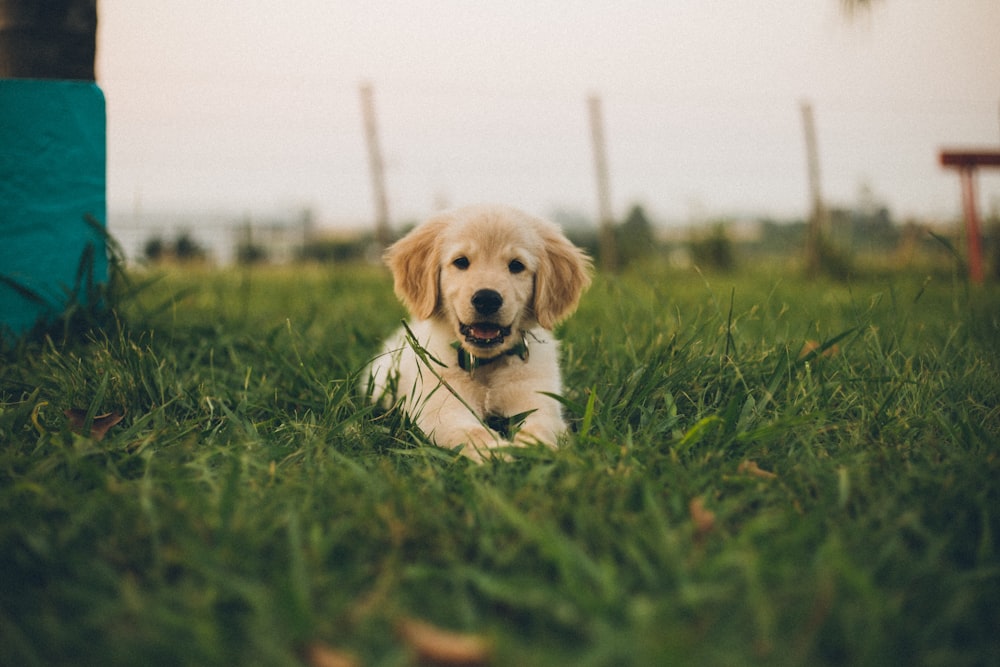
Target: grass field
723,499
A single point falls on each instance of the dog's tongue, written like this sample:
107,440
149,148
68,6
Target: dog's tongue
484,330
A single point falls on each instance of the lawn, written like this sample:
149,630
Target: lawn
762,470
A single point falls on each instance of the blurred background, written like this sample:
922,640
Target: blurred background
236,128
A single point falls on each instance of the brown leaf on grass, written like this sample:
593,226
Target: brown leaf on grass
811,346
318,654
702,518
442,647
98,428
751,468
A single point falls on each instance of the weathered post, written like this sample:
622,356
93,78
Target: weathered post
383,233
817,214
607,247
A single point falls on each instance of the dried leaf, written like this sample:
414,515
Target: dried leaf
811,346
98,428
702,518
34,417
318,654
443,647
751,468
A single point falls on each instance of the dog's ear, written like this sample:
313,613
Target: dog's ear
563,274
415,265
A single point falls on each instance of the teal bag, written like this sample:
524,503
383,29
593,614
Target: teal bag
52,199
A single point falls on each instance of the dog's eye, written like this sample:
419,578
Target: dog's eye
460,263
516,266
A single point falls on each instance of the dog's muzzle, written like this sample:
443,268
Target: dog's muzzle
484,334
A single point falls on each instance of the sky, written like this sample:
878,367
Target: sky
252,107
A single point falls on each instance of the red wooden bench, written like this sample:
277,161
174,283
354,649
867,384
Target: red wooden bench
967,162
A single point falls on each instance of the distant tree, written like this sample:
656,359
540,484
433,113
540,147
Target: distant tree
636,239
335,251
155,249
714,250
250,253
187,249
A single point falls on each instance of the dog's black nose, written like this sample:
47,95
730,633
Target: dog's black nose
487,301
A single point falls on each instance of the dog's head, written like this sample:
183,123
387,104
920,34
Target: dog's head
490,272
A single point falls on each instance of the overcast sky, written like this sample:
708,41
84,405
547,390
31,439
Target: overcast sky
252,106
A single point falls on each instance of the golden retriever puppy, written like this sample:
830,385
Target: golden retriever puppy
484,286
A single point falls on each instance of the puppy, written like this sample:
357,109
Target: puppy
484,286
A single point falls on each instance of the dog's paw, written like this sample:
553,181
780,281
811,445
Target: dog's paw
498,453
536,434
482,444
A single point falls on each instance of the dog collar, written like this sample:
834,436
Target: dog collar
469,362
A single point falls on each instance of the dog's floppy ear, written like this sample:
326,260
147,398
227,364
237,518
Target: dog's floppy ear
563,274
415,264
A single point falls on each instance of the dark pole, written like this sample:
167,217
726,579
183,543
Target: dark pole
48,39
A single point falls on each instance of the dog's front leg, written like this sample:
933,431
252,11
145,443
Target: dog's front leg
544,425
449,423
544,432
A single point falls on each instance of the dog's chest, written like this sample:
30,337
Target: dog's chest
489,390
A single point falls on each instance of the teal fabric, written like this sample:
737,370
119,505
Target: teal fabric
52,179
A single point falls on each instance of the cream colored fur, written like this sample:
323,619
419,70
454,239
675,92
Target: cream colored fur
441,270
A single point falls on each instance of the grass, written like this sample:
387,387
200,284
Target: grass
251,505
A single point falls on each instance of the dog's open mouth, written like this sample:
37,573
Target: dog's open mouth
484,334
